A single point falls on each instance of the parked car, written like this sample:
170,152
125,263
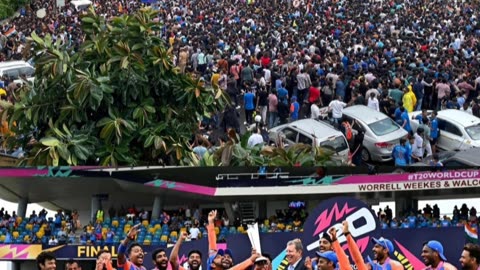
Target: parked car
381,132
14,69
464,158
310,131
459,130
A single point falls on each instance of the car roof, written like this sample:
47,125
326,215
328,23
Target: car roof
10,64
463,118
316,128
470,156
364,114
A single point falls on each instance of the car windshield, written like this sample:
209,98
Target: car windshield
383,127
473,132
336,144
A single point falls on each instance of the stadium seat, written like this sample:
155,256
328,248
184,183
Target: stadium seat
164,238
2,238
147,242
15,234
183,229
217,231
151,230
174,234
233,230
115,223
240,229
19,220
145,223
29,227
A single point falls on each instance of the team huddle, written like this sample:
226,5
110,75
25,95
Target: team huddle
331,255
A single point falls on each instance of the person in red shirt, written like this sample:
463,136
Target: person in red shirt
314,95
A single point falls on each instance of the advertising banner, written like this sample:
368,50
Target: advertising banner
364,225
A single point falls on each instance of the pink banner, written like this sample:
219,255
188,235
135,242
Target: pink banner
404,177
183,187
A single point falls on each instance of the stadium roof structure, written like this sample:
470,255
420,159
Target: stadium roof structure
69,187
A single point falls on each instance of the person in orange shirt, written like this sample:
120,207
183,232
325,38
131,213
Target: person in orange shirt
432,254
381,251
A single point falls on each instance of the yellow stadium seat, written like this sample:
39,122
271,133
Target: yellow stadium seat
183,229
151,230
240,229
145,223
29,227
174,234
157,226
126,228
64,223
164,238
115,223
217,230
15,234
26,238
19,220
2,238
104,230
40,234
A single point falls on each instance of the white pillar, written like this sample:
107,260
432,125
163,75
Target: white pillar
157,207
22,207
95,207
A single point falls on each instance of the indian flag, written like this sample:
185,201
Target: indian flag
471,234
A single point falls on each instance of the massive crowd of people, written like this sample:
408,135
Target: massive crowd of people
283,59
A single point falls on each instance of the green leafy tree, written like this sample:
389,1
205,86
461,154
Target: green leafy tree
236,152
116,100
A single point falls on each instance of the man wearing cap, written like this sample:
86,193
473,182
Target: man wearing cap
432,254
326,261
222,259
470,258
381,251
263,263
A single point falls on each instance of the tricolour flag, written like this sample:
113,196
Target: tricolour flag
471,234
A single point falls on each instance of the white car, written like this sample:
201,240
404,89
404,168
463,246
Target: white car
14,69
459,130
310,131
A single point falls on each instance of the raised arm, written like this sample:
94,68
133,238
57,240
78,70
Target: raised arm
176,249
122,249
354,250
248,262
341,255
212,237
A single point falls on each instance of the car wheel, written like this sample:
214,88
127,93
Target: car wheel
398,171
365,155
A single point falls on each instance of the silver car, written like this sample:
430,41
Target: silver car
308,131
381,132
458,130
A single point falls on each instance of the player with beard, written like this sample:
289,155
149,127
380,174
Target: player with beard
160,259
135,252
432,254
470,258
222,259
194,257
381,251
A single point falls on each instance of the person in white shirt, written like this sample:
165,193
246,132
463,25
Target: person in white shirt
373,102
194,233
418,147
336,107
255,139
315,110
